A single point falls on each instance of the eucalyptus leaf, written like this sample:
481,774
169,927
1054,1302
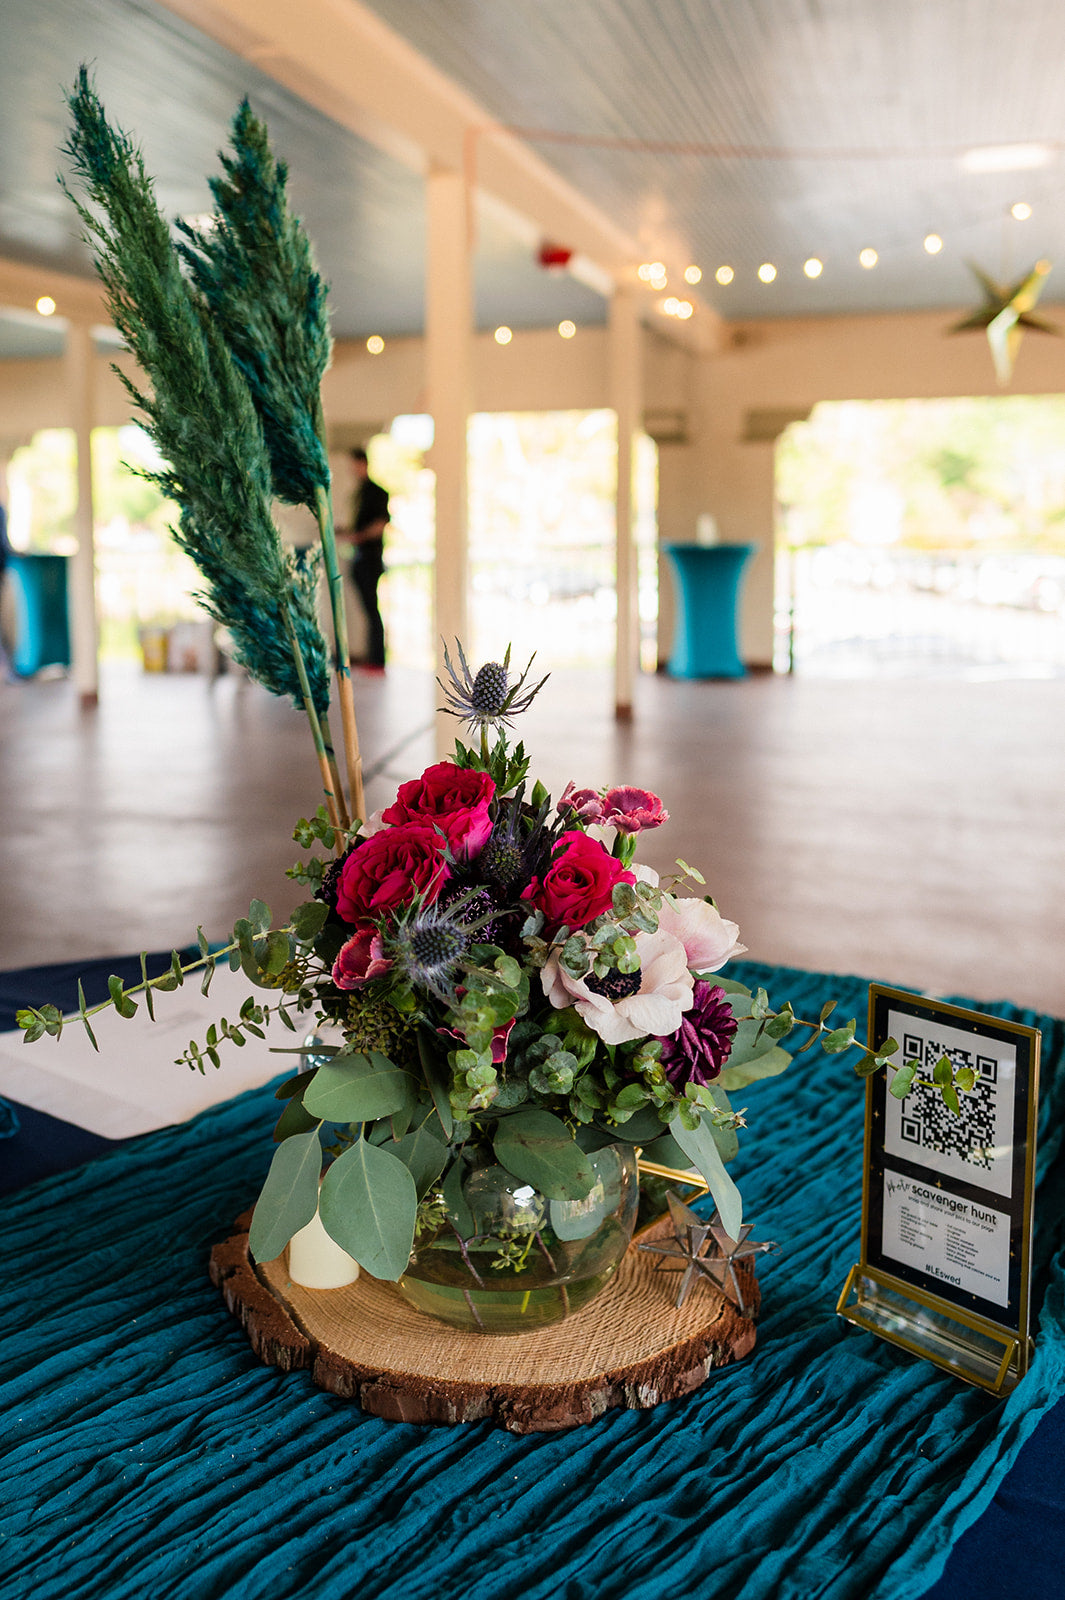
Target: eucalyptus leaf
643,1126
839,1039
458,1210
309,919
290,1195
119,999
751,1058
368,1205
666,1152
360,1088
725,1138
294,1119
297,1085
537,1147
701,1149
902,1080
274,953
424,1156
736,992
578,1219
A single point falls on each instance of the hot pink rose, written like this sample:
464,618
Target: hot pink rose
579,883
631,810
360,960
388,869
452,798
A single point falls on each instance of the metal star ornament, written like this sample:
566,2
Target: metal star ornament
705,1249
1005,314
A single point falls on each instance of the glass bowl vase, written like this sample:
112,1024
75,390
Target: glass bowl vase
523,1260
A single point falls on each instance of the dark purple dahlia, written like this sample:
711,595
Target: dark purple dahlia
701,1045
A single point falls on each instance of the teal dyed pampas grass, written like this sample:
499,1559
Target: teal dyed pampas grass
255,270
231,439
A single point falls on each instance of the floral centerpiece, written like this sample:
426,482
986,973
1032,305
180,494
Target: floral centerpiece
516,1004
514,994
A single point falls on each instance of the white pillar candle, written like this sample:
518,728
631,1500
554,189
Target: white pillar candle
315,1261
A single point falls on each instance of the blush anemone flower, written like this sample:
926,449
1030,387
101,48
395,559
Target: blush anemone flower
700,1046
709,939
623,1007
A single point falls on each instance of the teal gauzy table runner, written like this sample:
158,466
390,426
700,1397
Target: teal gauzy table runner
146,1451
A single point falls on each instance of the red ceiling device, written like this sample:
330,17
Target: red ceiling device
554,257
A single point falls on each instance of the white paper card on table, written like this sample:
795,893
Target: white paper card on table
134,1083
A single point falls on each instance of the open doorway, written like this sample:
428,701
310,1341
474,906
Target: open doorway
542,538
923,537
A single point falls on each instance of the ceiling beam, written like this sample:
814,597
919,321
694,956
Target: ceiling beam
77,299
342,59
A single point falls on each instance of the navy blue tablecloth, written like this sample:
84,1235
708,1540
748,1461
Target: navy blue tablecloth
147,1451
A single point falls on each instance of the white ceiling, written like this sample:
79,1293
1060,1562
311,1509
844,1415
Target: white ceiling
713,131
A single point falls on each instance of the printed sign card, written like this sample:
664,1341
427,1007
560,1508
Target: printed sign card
947,1197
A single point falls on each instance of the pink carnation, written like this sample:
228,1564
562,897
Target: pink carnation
632,810
584,802
360,960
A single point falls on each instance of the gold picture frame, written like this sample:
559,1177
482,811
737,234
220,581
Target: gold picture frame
945,1263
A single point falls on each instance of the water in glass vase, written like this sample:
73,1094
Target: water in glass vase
527,1260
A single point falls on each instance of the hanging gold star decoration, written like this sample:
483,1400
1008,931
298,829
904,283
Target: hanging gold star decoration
1005,314
704,1249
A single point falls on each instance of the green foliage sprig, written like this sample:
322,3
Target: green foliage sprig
255,270
272,958
949,1081
202,418
199,414
256,273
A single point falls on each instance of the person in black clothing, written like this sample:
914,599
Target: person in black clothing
369,520
7,670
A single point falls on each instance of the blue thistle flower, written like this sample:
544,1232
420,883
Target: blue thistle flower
490,697
429,943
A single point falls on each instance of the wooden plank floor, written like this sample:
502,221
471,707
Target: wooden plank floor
904,830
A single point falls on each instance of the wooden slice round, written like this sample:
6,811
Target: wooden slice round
630,1346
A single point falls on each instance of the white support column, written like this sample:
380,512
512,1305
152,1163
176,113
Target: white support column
81,587
448,374
626,399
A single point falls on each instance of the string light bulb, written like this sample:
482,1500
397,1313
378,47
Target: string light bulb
684,309
933,243
567,329
503,335
724,275
375,344
767,272
868,257
1020,210
814,267
46,305
693,274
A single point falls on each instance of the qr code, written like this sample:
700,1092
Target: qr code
927,1122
